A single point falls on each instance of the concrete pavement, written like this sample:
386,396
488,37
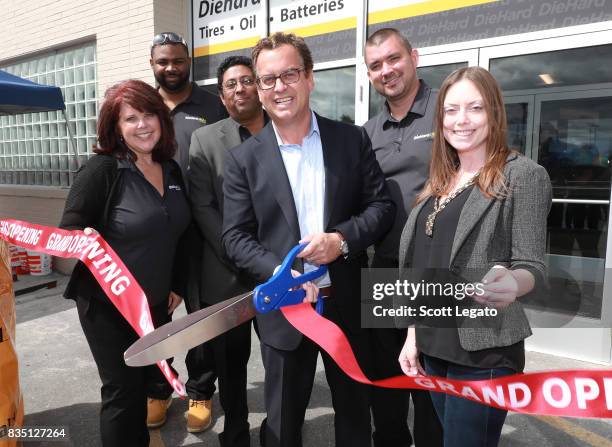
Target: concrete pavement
61,386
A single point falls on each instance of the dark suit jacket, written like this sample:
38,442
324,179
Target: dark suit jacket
509,232
209,144
260,223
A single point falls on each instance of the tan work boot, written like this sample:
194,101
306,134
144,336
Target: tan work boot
199,416
156,411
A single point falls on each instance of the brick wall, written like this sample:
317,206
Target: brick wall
122,30
173,16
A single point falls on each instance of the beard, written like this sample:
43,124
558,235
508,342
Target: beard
175,85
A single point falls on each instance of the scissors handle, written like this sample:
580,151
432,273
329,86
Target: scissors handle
276,292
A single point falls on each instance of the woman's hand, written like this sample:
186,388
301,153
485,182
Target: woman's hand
173,302
409,356
500,288
90,231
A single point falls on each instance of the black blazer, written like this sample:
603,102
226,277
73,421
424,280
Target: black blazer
260,223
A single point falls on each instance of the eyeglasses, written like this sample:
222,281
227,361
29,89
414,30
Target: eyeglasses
231,84
165,38
290,76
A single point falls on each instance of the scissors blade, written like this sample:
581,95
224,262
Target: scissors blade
191,330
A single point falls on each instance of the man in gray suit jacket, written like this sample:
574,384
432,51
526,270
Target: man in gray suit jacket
228,354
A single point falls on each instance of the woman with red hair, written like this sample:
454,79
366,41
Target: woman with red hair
133,194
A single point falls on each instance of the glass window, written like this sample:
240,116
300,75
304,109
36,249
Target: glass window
434,75
334,94
90,72
34,144
516,117
90,55
80,110
575,146
578,66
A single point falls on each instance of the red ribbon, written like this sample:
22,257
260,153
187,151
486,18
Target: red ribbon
577,393
110,272
574,393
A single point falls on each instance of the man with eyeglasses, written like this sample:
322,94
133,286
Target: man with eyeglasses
230,351
304,178
191,107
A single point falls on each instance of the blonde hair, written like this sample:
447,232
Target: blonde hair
444,160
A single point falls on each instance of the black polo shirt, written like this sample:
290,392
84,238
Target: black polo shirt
403,150
144,227
201,108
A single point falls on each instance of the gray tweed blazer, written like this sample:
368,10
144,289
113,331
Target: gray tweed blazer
509,232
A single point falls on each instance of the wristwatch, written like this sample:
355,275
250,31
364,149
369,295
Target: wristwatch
344,249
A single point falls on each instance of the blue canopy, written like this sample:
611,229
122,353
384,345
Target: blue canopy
18,95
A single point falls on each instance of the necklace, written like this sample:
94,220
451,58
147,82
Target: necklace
439,206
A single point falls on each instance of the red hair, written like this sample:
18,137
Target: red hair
144,98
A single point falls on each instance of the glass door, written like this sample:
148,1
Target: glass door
559,106
519,113
574,143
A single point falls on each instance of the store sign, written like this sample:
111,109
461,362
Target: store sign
311,17
437,22
232,27
328,26
222,28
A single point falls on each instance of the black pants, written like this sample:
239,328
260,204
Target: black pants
229,353
350,399
200,360
123,415
202,372
289,377
390,407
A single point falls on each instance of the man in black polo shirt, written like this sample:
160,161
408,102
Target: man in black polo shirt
401,136
191,107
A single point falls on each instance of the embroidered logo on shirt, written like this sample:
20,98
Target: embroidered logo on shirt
196,118
424,136
175,187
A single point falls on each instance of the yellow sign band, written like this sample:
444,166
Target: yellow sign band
226,46
325,28
421,9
